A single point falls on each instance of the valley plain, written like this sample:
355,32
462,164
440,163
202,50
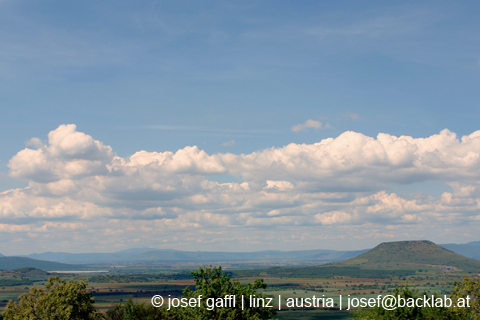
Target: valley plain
421,264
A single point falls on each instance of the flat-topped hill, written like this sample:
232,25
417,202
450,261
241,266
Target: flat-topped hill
411,254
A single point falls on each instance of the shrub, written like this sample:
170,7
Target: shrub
60,300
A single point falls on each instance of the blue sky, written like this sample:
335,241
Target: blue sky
236,79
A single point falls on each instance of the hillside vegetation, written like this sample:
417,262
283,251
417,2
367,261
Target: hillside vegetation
389,259
412,255
323,271
12,263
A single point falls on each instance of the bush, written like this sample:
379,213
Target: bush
467,287
407,312
211,283
60,300
137,311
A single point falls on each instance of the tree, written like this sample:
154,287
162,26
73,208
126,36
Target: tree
412,312
213,285
131,310
468,287
60,300
466,290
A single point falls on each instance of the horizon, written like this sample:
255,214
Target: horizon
246,126
322,249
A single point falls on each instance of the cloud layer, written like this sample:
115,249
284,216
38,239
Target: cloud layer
83,197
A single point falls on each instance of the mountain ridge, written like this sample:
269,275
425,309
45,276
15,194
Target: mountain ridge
12,263
146,254
172,255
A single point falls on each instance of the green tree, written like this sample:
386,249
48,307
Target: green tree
213,285
131,310
60,300
406,312
468,287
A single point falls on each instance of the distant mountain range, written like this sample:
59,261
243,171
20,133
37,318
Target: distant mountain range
388,259
12,263
469,250
474,243
169,255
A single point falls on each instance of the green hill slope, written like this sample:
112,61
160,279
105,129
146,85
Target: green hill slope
29,271
411,255
12,263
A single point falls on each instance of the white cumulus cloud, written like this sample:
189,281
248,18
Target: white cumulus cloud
78,187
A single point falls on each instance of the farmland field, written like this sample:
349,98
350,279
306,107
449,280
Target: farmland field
141,283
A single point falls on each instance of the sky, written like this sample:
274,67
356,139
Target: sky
237,125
